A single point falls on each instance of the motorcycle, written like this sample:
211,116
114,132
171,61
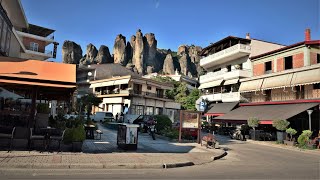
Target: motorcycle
152,131
236,134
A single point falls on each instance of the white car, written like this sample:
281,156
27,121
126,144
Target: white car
68,116
102,116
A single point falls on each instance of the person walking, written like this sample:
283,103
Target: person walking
117,117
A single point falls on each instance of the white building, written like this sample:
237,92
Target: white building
122,90
20,39
226,62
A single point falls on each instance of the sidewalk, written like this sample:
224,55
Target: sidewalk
103,153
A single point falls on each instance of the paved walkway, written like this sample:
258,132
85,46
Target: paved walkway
105,154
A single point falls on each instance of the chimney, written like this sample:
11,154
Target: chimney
307,34
248,36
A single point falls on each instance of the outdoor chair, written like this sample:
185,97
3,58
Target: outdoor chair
36,134
57,135
7,133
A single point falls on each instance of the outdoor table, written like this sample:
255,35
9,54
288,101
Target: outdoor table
48,130
89,131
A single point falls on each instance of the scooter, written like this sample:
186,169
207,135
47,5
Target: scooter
152,131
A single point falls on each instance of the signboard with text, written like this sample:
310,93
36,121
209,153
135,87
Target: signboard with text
190,120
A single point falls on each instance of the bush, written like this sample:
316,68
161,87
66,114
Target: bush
280,124
77,134
291,132
303,139
43,108
163,122
170,133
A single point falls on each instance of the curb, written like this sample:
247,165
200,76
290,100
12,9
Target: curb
175,165
220,156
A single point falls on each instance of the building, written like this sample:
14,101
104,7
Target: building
285,84
124,91
20,39
190,82
227,62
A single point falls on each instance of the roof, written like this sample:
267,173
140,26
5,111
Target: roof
267,112
38,30
222,40
106,71
221,108
35,71
315,42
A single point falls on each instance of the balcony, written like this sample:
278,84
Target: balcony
148,94
213,76
112,93
48,40
231,53
224,97
32,53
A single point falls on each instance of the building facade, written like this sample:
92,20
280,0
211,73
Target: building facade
227,62
122,90
20,39
285,84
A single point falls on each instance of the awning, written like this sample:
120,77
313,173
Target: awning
306,77
121,81
217,109
267,112
231,81
249,86
210,84
36,83
277,82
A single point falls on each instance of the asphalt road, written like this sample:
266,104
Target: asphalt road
244,161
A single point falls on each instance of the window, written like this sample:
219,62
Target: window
229,68
149,87
34,46
149,110
288,62
316,86
139,110
318,58
268,67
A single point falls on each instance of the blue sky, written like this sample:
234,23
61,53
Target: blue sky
175,22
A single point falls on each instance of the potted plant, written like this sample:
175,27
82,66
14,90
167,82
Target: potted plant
303,139
281,125
291,132
75,136
253,122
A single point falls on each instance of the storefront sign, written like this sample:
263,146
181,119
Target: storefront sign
190,120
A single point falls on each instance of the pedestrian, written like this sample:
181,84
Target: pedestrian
117,117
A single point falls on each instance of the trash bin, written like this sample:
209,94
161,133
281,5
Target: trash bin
127,137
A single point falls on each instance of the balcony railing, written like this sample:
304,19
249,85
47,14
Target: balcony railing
148,94
237,73
239,50
224,97
312,94
114,91
47,52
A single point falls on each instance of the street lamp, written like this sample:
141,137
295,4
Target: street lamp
310,112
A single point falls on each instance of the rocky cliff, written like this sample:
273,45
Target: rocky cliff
141,55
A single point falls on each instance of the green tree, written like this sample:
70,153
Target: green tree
280,124
88,101
291,132
253,122
180,93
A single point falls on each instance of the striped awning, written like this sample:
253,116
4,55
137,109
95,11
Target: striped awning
277,82
250,86
306,77
210,84
231,81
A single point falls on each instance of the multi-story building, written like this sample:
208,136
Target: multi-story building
226,62
190,82
122,90
20,39
285,84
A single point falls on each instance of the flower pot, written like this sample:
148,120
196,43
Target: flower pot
77,146
280,136
289,143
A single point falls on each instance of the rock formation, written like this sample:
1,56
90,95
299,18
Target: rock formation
103,55
150,49
185,64
138,52
140,55
168,66
119,50
71,52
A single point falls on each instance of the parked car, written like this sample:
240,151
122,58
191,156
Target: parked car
68,116
102,116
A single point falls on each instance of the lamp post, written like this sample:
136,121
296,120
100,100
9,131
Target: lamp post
309,112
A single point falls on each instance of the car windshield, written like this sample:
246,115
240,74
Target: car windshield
109,114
